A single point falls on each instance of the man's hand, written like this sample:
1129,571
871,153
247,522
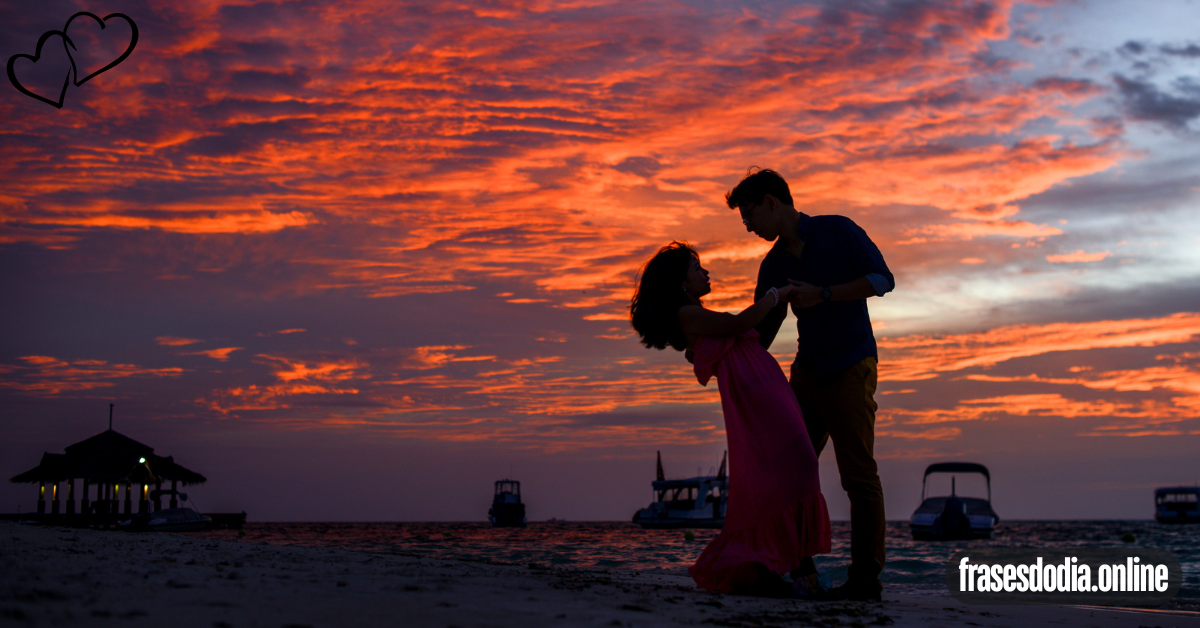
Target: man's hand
805,294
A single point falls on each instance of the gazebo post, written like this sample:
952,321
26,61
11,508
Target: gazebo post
158,497
54,499
129,498
41,498
71,496
86,503
174,495
144,502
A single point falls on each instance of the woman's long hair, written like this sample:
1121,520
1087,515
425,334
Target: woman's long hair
654,309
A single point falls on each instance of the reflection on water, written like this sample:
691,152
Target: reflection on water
915,566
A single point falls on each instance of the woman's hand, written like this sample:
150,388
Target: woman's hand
786,293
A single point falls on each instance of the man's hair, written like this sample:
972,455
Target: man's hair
654,309
755,185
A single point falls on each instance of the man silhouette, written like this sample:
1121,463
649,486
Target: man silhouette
836,267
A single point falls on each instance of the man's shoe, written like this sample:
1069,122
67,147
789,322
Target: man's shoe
853,592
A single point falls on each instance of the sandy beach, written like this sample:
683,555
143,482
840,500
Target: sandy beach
68,577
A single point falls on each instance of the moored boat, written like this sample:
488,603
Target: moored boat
507,511
697,502
1177,504
952,516
169,520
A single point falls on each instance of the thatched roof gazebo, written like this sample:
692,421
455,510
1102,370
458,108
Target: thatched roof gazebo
106,461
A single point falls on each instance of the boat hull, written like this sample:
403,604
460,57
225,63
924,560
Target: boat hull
1173,518
507,515
169,520
953,518
931,533
669,523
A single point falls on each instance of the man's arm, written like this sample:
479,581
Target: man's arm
769,326
874,278
808,295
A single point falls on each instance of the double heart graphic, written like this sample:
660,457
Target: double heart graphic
69,45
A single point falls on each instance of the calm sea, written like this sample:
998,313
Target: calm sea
913,566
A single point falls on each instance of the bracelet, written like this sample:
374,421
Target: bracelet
775,293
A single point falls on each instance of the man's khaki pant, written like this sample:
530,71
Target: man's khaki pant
842,406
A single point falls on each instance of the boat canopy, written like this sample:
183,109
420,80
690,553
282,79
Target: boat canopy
508,486
1177,489
956,467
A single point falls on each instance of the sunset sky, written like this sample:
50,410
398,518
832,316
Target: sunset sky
358,260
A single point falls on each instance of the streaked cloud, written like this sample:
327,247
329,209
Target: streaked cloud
217,354
1077,256
172,341
921,357
45,376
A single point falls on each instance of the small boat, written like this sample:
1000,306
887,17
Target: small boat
697,502
168,520
507,511
954,517
1177,504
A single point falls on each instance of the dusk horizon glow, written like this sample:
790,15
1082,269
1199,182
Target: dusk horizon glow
357,260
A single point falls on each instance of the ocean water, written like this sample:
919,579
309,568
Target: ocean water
912,566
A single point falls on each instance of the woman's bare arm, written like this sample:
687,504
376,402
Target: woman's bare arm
696,320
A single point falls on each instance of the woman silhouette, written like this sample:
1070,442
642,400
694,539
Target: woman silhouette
776,519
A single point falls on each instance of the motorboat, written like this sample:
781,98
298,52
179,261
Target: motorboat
697,502
1177,504
507,511
168,520
952,516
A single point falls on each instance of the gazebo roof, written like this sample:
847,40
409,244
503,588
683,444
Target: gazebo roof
109,457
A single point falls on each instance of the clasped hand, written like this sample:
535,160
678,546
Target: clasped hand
801,295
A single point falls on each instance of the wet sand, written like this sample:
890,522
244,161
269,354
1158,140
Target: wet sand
70,577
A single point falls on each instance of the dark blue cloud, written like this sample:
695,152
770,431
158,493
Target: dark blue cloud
1142,100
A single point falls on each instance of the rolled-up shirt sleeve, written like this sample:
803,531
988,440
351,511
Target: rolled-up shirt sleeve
866,259
880,283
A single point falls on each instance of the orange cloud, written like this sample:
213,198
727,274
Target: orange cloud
45,376
433,357
1077,256
216,354
289,370
260,398
172,341
918,357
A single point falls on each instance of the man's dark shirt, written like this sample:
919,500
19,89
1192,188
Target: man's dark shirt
834,335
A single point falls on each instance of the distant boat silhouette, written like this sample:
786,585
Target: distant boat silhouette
697,502
952,516
507,511
1177,504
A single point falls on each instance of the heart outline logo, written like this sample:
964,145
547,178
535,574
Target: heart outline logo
132,42
37,54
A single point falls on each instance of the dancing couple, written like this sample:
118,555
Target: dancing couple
824,267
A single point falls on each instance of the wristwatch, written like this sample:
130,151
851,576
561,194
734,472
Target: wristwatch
826,294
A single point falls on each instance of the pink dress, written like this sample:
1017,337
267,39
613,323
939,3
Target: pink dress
776,514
